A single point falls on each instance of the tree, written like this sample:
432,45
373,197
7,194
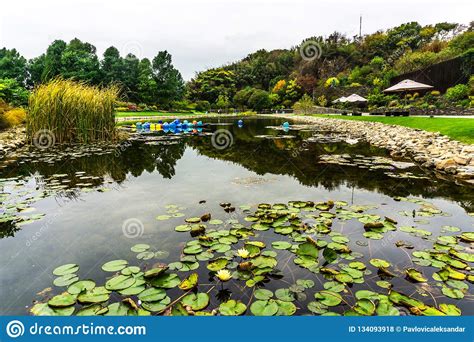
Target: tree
241,98
11,91
131,77
146,83
111,66
259,100
170,84
79,61
12,65
35,69
52,60
304,105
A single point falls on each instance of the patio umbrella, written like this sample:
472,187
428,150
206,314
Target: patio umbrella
341,99
407,85
355,98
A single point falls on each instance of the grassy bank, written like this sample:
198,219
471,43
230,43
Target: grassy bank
461,129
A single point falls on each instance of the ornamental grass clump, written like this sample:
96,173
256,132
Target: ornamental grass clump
72,111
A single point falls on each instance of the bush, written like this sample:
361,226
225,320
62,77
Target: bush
457,93
259,100
15,116
203,106
73,112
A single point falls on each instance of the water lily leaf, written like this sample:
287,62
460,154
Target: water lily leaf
379,263
119,282
468,236
217,264
281,245
334,286
163,217
264,307
132,291
62,300
306,261
285,295
384,284
130,270
166,281
190,282
328,298
373,235
96,295
364,307
65,280
450,309
344,278
285,308
254,281
232,308
66,269
329,254
306,283
193,249
183,228
193,220
147,255
307,249
152,295
452,293
80,286
90,310
385,308
367,294
154,272
357,265
197,301
263,294
215,222
43,309
140,247
317,307
158,306
401,299
416,275
114,265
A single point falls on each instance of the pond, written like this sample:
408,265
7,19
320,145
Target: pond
325,224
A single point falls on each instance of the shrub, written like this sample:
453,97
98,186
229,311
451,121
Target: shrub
305,104
259,100
457,93
15,116
203,106
73,112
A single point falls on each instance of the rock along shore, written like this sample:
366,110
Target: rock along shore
431,150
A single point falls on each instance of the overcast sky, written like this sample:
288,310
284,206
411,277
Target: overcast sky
206,33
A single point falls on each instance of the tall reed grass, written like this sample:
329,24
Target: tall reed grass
72,111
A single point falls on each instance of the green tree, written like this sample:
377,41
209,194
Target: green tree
259,100
170,84
79,61
35,69
304,105
12,65
53,60
131,77
111,66
241,98
146,83
11,91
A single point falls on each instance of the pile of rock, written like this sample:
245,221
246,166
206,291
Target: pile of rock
431,150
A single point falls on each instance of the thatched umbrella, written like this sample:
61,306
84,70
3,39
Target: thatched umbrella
406,86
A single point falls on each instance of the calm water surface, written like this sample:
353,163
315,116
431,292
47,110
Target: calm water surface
86,206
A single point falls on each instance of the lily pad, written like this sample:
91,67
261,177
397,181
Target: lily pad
119,282
232,308
152,295
416,275
96,295
65,269
114,265
190,282
263,294
65,280
80,286
264,307
166,281
328,298
217,264
281,245
197,301
62,300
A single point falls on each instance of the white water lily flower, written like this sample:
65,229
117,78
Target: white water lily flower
243,253
224,275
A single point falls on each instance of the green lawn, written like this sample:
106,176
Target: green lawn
461,129
139,114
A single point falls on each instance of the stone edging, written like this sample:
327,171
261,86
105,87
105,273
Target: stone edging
431,150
